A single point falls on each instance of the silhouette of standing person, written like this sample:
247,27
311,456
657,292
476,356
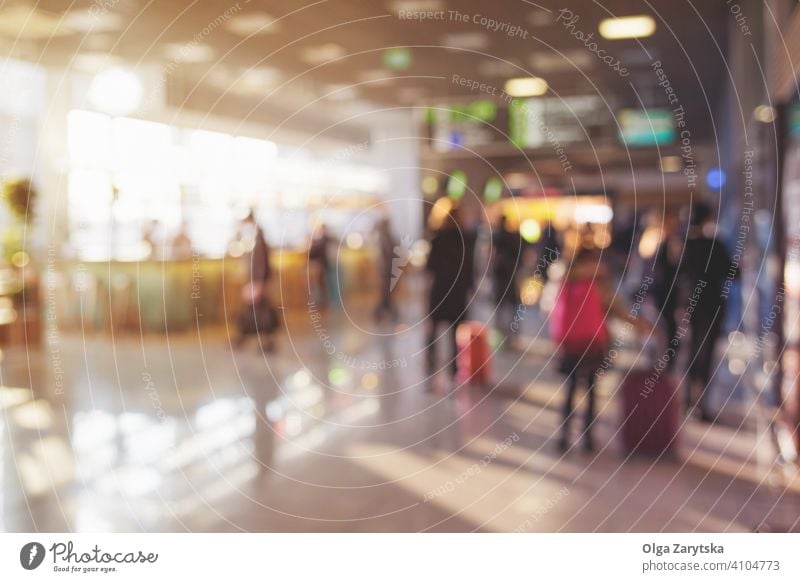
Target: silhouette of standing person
258,315
507,250
579,325
319,264
704,269
665,278
450,264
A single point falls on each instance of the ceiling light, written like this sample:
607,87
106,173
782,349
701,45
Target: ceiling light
93,21
416,6
496,68
252,23
116,91
627,27
256,80
94,61
410,94
465,40
671,164
375,77
764,114
526,87
340,92
516,180
99,41
26,22
189,52
567,61
317,55
540,17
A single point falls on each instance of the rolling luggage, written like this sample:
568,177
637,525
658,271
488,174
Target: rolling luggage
257,315
474,358
258,318
651,415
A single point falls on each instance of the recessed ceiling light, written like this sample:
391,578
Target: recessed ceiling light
252,23
465,40
256,80
340,92
526,87
25,22
671,164
410,94
540,17
317,55
375,77
189,52
517,180
764,114
220,75
627,27
568,61
496,68
90,21
99,41
94,61
416,6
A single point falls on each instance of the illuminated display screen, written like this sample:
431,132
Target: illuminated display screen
646,127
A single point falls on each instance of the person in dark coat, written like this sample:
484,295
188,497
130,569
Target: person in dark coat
319,266
548,249
450,263
507,250
664,272
704,269
257,311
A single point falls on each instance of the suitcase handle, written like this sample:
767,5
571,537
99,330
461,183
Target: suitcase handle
655,348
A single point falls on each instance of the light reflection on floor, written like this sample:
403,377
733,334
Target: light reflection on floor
302,441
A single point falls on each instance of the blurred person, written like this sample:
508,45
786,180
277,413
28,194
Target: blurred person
703,271
578,325
450,264
507,248
664,272
386,257
258,316
320,265
181,243
548,249
626,232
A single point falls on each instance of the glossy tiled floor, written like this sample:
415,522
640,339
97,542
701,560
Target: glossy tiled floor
336,432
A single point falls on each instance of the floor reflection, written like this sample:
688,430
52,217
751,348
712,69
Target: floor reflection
187,435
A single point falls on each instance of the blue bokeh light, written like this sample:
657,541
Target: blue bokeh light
715,178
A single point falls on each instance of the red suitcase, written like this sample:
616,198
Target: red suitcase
650,413
474,357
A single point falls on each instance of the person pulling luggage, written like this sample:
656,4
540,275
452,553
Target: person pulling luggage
578,326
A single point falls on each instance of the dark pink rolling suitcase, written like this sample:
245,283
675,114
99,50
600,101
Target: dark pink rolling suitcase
474,358
651,415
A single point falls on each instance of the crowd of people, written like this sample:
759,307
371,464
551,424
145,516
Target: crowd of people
688,264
